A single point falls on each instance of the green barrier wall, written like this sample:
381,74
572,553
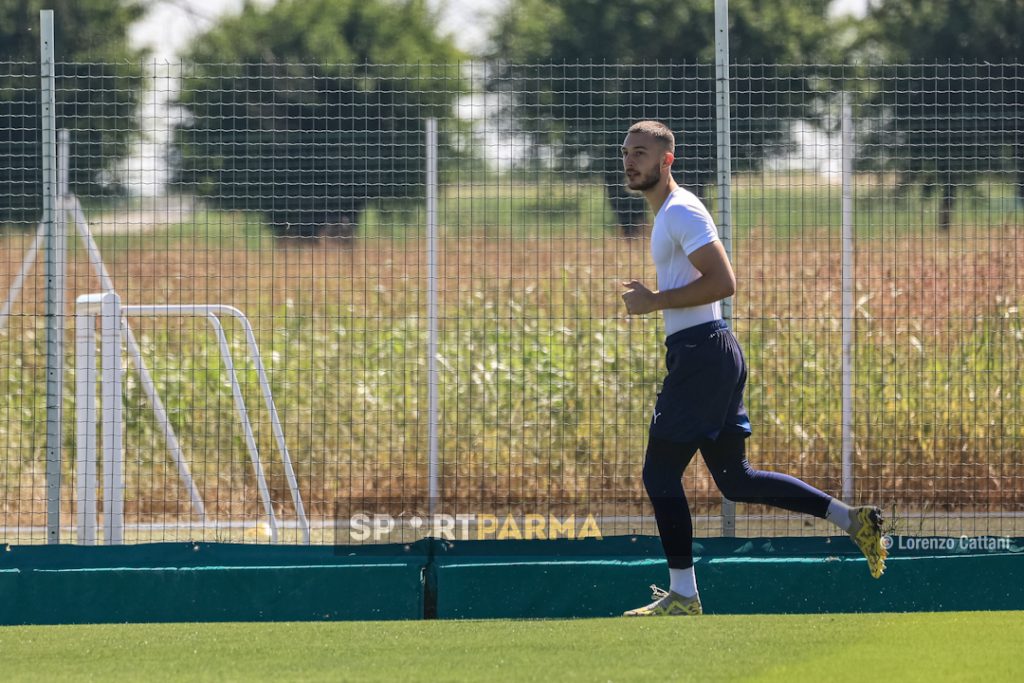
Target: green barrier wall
209,582
491,579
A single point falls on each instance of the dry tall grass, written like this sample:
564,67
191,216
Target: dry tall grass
545,386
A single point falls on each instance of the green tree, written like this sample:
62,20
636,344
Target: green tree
98,82
954,111
612,63
308,110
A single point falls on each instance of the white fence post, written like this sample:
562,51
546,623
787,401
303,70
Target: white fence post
433,407
724,144
54,277
847,298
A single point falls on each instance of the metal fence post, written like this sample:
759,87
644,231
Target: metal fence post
723,138
847,299
432,320
55,267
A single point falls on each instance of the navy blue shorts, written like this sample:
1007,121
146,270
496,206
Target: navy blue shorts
702,395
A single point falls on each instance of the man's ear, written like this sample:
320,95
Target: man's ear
668,159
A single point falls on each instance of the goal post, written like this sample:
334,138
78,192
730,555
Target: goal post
105,433
106,426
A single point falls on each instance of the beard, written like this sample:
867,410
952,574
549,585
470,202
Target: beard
644,182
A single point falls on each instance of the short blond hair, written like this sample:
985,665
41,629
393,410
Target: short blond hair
657,130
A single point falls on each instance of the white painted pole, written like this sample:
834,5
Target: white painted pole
55,266
848,152
112,420
723,133
19,281
61,209
433,407
243,416
85,423
724,178
210,311
149,387
275,420
107,284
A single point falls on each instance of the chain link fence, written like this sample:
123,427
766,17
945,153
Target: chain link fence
298,194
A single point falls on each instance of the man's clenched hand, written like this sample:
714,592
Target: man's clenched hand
638,298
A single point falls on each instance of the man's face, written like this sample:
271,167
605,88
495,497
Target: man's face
642,157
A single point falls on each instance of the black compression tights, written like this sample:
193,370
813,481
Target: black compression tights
737,480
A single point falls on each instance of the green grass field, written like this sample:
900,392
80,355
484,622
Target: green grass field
833,647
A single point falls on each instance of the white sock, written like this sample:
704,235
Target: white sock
683,582
840,514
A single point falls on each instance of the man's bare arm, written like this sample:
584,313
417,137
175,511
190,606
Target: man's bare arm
715,283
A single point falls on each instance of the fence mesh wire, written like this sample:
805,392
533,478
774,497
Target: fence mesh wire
296,193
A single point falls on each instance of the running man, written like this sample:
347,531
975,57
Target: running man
700,406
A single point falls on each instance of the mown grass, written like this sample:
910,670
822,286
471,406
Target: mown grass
840,647
545,386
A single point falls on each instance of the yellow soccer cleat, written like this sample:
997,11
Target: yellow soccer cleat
866,533
668,604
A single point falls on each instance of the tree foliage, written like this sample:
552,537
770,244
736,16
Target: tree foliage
953,110
309,109
617,62
98,83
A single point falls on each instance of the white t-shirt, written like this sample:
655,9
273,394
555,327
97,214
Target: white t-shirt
682,226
